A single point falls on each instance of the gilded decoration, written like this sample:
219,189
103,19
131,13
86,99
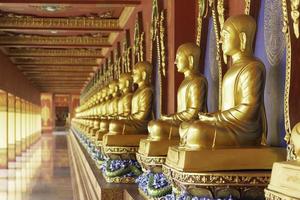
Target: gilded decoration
202,10
240,185
247,7
219,55
55,60
287,123
10,20
158,37
138,48
150,161
119,150
271,195
80,52
54,40
218,178
273,36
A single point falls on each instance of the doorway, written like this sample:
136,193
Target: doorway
61,117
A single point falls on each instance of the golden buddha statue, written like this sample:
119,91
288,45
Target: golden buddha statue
284,182
191,98
241,122
136,123
125,86
111,107
103,110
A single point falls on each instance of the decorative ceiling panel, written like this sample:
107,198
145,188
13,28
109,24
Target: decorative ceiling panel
56,61
80,52
58,44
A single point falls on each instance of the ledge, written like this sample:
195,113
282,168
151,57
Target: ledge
88,181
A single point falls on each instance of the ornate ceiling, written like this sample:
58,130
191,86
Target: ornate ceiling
59,44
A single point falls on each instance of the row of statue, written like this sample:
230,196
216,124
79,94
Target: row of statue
240,122
123,117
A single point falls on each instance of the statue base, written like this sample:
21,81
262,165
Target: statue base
152,163
222,184
156,148
123,140
285,181
121,146
205,160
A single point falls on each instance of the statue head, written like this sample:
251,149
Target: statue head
187,57
113,87
295,137
125,81
237,35
142,72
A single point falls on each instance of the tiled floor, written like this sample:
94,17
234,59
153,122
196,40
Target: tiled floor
42,173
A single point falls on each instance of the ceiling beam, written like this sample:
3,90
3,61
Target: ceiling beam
104,3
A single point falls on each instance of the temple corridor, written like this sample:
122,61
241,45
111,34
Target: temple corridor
41,173
149,100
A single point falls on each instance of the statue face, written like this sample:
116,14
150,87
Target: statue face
181,62
137,76
122,84
230,41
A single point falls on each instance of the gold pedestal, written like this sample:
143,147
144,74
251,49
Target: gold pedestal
222,184
123,140
152,163
156,148
205,160
152,154
285,181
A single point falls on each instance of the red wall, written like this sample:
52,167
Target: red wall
14,82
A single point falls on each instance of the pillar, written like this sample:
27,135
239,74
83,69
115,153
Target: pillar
3,130
11,128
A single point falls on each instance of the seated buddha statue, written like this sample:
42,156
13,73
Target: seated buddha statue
97,117
112,108
124,104
103,110
191,98
241,121
135,124
295,139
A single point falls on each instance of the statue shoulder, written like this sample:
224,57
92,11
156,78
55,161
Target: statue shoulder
199,80
254,65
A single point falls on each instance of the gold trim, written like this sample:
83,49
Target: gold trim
124,180
112,37
271,195
55,60
201,13
50,40
148,162
11,20
247,7
125,16
216,29
286,31
119,150
54,52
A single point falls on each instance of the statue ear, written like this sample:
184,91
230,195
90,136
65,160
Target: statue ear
127,83
243,40
144,75
191,62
